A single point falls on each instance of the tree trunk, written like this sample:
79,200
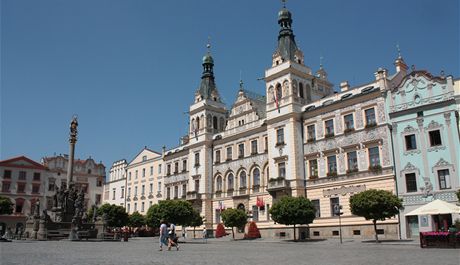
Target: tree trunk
194,232
294,234
233,234
375,231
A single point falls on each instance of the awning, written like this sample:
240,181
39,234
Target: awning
436,207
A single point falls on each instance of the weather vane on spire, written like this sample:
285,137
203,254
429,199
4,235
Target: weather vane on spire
208,45
399,50
321,61
284,3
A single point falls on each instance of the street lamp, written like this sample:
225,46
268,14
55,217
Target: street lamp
338,211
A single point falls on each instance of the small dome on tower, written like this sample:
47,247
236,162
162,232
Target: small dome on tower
284,14
207,59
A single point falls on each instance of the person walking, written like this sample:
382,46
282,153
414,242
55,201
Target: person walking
172,238
163,234
205,235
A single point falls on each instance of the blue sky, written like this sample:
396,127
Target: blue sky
129,69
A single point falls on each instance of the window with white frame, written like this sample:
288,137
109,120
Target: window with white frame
282,170
311,133
256,177
280,136
435,138
411,143
444,179
243,181
348,122
411,182
254,147
329,128
241,150
332,164
219,183
313,168
370,117
230,181
229,153
352,161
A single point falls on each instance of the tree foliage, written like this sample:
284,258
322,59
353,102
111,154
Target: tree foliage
293,211
136,219
375,205
6,206
115,215
179,212
234,218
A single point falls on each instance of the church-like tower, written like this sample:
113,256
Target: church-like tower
290,85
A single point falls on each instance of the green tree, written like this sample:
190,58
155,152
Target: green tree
196,220
179,212
293,211
234,218
136,219
6,206
375,205
115,215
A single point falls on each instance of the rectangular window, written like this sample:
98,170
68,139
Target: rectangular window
176,192
374,157
240,150
142,206
317,208
7,174
313,166
143,172
22,175
197,159
435,138
349,123
329,128
311,133
410,142
168,169
444,179
411,182
331,165
334,205
255,213
135,174
176,167
159,187
151,188
35,189
151,171
184,190
143,189
217,156
159,169
135,206
122,192
168,193
21,187
129,176
36,176
135,191
266,143
352,161
184,165
129,207
51,184
254,147
144,158
197,185
229,153
113,194
282,170
6,186
370,117
280,136
129,192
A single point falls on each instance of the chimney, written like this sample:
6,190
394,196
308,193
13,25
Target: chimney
344,86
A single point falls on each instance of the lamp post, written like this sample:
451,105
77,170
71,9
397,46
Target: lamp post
338,211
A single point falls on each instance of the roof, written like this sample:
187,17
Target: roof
22,162
258,102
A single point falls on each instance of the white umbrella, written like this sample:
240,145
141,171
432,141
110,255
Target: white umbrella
436,207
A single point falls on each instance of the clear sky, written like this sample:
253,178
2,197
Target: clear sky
129,69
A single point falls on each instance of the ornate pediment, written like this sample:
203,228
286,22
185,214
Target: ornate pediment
409,167
433,125
409,129
442,163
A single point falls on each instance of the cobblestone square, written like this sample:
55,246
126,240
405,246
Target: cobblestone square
145,251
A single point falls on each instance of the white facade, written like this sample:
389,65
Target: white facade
115,186
88,175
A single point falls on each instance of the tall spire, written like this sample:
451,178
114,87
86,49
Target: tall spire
286,39
207,89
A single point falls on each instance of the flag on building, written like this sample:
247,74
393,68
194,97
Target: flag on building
260,202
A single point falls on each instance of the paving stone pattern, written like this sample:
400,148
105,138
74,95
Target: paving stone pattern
145,251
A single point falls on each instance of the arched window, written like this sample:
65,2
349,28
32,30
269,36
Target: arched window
230,181
279,91
209,121
243,179
308,90
256,177
221,123
301,90
197,123
214,122
219,183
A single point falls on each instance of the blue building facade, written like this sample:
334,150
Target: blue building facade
425,136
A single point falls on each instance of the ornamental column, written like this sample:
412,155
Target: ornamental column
72,141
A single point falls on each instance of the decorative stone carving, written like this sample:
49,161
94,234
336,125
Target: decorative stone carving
409,167
428,188
442,163
409,129
447,118
420,122
433,125
344,190
285,88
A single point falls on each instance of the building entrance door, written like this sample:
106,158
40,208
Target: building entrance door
412,226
